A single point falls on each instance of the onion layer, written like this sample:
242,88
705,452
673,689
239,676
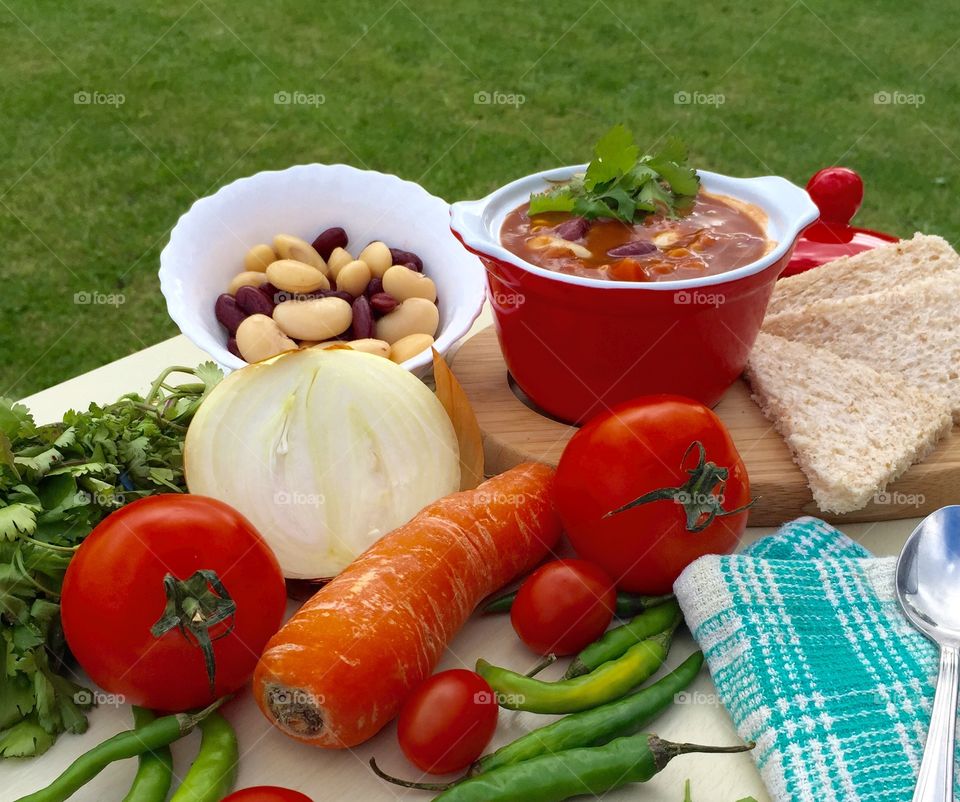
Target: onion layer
324,451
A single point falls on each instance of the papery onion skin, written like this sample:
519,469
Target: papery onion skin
324,451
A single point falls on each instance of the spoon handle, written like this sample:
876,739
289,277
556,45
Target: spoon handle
935,783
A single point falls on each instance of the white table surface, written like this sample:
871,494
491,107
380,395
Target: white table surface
270,758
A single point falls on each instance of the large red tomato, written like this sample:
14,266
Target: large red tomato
648,487
162,584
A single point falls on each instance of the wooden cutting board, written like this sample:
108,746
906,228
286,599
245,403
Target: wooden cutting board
514,432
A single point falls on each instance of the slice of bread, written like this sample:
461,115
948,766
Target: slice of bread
913,331
877,270
851,429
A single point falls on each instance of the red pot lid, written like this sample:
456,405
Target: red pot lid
837,192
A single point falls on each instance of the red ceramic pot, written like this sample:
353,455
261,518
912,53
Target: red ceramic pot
577,346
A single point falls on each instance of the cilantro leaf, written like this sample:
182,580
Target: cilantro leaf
25,739
56,483
16,520
621,184
615,154
553,200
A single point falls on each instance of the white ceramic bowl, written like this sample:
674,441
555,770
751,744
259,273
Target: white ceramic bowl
208,243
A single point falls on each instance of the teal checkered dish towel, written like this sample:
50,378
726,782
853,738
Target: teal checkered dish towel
815,662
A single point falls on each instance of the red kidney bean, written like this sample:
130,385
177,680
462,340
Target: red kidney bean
343,294
228,312
374,287
573,229
268,291
232,347
329,240
638,248
408,258
254,302
280,296
383,303
362,319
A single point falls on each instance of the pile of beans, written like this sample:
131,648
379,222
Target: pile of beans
294,294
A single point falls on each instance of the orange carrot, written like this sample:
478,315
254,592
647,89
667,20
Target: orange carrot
339,670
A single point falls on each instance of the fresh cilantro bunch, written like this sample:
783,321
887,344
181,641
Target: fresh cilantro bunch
56,483
622,184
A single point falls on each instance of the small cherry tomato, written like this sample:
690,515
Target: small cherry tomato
563,606
267,793
838,193
447,722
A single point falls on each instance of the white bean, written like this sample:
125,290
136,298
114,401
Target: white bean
371,346
401,282
366,345
337,260
354,278
259,337
413,316
259,257
314,319
248,278
378,258
293,276
409,346
291,247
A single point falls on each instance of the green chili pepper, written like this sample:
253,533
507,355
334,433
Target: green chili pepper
214,770
155,772
617,640
131,743
628,604
597,726
588,770
610,681
499,604
631,604
590,728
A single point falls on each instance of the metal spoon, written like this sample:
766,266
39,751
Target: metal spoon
928,587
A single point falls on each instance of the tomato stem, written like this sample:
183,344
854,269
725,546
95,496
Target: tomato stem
195,606
701,495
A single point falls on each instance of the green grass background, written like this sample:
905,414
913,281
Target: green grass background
89,192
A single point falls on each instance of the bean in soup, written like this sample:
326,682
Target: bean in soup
713,236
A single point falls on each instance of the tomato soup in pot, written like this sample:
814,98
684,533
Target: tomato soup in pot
713,234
